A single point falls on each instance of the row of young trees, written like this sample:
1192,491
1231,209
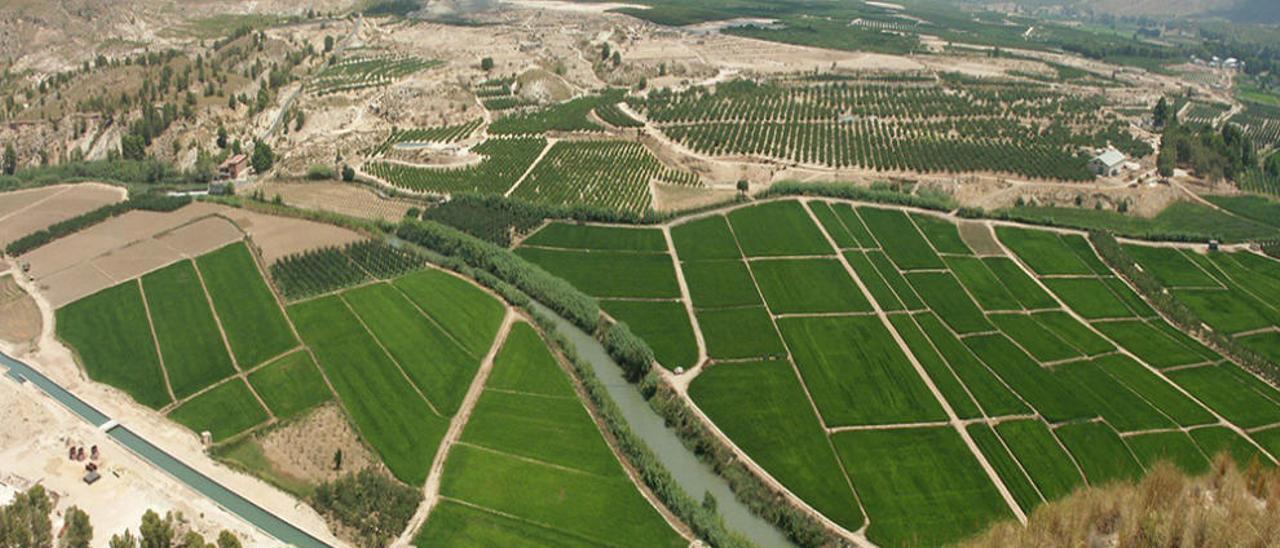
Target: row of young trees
607,174
506,159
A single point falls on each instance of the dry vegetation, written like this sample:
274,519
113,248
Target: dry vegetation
1226,507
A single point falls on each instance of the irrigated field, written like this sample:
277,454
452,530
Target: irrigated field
532,469
1059,374
631,271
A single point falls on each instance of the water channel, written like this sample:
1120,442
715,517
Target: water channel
691,473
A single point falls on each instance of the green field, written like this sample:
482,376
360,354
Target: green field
223,411
461,308
250,315
1089,297
603,238
735,333
1174,447
1122,408
663,324
537,459
1267,344
1006,466
1019,284
1042,344
194,353
833,225
1044,459
1101,453
1044,252
609,273
853,223
111,335
1053,398
899,284
720,284
1149,343
987,288
920,486
763,408
1231,397
1214,440
290,385
798,286
705,239
856,373
990,393
945,297
437,365
900,239
1170,266
875,283
1073,332
1161,394
944,235
933,363
777,229
386,409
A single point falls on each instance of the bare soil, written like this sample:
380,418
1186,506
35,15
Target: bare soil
19,315
46,209
278,237
304,449
347,199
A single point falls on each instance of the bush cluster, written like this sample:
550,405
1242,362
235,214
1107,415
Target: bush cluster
883,194
374,505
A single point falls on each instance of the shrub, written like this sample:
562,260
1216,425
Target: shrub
374,505
319,172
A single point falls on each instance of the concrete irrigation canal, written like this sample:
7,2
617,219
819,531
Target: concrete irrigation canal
227,499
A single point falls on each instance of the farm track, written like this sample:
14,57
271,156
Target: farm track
431,490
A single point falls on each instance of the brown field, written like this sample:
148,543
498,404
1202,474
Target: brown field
19,316
278,237
25,212
345,199
304,449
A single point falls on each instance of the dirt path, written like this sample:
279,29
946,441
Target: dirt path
431,490
550,143
686,298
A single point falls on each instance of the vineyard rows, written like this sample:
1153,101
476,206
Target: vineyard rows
498,94
1256,180
613,115
607,174
439,134
1261,124
363,72
1204,113
329,269
505,160
952,127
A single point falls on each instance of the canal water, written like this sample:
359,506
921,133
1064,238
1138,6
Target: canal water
691,473
229,500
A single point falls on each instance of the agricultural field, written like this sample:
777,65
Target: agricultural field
1235,293
426,136
606,174
951,126
532,468
631,271
503,161
327,269
1059,373
365,70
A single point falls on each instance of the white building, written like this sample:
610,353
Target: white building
1107,164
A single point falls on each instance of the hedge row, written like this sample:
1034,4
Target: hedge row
1177,312
148,202
882,193
550,290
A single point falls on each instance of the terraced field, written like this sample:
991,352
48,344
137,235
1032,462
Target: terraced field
836,335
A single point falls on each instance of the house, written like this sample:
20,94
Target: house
1107,164
233,167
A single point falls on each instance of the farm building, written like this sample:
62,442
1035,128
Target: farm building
1108,163
234,167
